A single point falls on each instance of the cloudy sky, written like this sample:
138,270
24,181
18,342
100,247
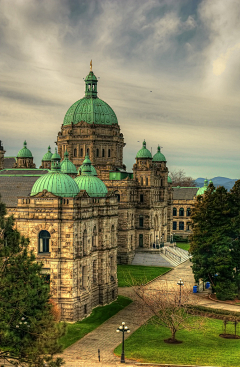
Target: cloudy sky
186,52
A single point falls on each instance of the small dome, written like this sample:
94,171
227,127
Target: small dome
202,190
159,157
93,170
55,156
47,156
24,152
91,184
67,166
56,182
144,152
169,180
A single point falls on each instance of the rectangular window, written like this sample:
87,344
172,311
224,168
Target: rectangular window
41,245
181,226
141,221
174,227
141,198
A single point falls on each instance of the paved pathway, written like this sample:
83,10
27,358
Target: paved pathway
85,351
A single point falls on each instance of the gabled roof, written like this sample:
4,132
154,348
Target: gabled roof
184,193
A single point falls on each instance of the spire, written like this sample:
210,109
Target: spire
159,150
91,84
49,149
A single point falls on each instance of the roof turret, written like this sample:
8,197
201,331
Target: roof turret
67,166
91,184
24,152
159,157
82,168
47,156
144,152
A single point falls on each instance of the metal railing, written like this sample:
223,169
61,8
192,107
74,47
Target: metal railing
173,255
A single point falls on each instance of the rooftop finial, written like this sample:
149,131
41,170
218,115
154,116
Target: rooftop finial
25,144
91,65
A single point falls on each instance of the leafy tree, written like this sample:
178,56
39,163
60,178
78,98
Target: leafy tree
215,245
179,178
28,331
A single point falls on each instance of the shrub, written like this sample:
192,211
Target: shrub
226,290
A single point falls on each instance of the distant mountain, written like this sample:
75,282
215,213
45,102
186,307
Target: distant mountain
218,181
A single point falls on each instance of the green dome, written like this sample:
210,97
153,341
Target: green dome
92,184
67,166
169,180
24,152
93,171
55,156
56,182
144,152
159,157
90,109
202,190
47,156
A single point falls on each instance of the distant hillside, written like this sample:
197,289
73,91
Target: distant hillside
218,181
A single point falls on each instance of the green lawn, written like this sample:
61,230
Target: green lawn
183,245
200,347
129,274
100,314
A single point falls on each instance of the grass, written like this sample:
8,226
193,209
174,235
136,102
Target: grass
199,347
98,316
183,245
138,274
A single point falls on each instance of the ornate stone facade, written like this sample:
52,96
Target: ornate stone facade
81,253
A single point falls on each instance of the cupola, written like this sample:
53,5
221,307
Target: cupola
85,162
46,159
67,166
24,158
159,157
202,190
91,184
144,152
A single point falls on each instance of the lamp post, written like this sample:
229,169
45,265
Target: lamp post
180,283
123,328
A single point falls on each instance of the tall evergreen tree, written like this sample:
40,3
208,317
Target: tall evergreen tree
28,332
215,239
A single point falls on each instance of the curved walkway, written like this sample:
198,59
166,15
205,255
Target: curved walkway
85,351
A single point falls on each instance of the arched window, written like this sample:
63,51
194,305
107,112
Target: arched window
109,153
85,242
140,221
103,153
74,152
174,212
97,152
44,237
188,212
88,151
181,226
181,212
146,181
94,238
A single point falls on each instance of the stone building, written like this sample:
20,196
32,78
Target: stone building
72,227
2,151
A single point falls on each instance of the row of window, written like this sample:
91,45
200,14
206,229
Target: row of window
181,226
181,212
97,152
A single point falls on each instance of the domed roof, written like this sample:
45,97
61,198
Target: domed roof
56,182
90,108
93,170
67,166
159,157
169,180
202,190
92,184
55,156
24,152
47,156
144,152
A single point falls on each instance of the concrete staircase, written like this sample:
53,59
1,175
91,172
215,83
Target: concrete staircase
168,256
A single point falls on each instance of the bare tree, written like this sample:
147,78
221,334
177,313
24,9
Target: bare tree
169,307
179,178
